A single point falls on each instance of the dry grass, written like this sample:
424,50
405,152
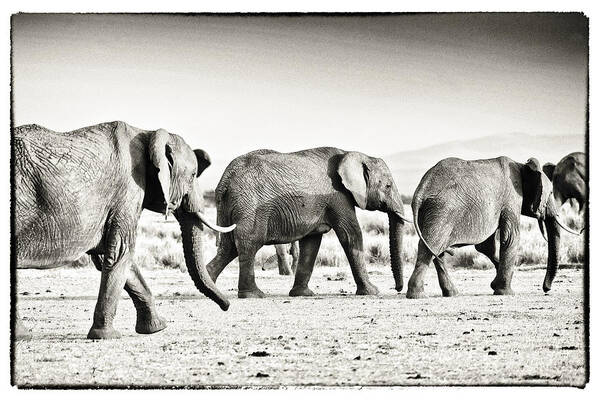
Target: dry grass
159,244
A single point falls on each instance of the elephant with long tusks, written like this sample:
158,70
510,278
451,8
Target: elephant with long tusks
83,192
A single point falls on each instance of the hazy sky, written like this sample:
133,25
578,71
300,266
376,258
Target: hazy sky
380,84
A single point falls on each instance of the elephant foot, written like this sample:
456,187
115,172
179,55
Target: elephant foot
366,290
21,333
103,333
415,294
154,325
251,294
504,292
301,291
451,292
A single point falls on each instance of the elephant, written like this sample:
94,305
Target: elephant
276,198
568,179
459,203
282,250
82,192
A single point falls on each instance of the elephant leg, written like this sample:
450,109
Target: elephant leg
225,254
295,252
350,238
416,288
309,248
488,248
509,241
246,283
282,262
114,275
148,320
448,289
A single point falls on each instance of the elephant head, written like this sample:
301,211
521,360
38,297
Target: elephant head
538,202
173,187
372,186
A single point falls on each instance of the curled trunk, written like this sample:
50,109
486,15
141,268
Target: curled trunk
191,235
396,234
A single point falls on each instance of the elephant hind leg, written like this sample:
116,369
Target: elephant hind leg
295,252
282,262
247,287
488,248
448,289
226,253
509,243
309,248
415,283
147,321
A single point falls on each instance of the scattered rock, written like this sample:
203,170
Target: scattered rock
357,358
261,375
259,354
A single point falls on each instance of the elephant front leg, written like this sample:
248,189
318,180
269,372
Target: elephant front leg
114,275
352,243
509,241
147,321
309,248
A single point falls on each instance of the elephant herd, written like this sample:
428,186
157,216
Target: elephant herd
82,192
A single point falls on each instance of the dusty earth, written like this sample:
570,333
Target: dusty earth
335,338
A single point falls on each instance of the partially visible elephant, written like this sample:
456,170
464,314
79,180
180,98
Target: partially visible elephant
284,266
568,179
83,192
276,198
459,203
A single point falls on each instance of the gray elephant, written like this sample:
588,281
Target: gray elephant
284,266
458,203
83,192
278,198
568,179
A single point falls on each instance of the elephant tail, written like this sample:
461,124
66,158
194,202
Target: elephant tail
416,205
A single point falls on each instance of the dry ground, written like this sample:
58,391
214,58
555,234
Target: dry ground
336,338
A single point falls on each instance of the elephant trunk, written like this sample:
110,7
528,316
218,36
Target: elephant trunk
553,229
191,235
396,234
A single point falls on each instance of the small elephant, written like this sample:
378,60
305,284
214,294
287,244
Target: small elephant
282,250
568,179
83,192
276,198
459,202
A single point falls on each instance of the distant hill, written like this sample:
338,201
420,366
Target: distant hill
408,167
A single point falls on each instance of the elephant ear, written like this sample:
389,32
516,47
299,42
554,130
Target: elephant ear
536,189
548,169
355,175
203,160
158,150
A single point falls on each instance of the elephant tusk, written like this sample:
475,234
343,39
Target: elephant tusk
403,218
559,222
541,225
216,228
